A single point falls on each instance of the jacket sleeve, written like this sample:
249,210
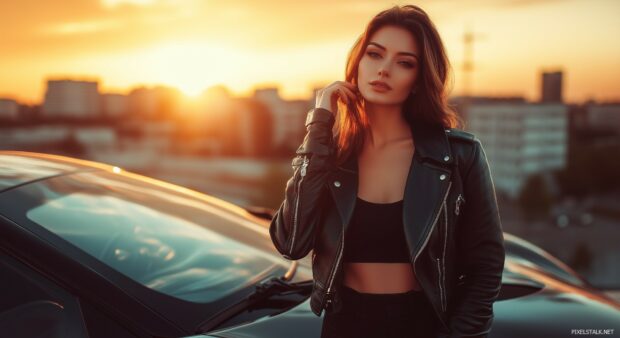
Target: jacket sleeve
293,226
480,250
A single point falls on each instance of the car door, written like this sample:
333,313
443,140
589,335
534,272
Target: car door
31,305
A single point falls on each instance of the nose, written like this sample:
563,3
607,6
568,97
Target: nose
382,72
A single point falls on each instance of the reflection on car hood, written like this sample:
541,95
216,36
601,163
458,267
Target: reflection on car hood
18,167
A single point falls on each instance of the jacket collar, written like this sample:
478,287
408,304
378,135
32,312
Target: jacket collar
432,142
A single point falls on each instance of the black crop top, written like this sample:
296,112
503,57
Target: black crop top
376,233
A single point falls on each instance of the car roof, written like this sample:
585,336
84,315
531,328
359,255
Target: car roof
21,167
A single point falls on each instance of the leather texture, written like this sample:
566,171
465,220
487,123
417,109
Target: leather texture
450,215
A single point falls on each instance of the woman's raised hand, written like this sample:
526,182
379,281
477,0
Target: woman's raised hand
328,97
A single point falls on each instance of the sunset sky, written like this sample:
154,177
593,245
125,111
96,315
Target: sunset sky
296,45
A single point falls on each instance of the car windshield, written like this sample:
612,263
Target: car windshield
173,241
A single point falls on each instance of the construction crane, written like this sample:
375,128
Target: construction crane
468,66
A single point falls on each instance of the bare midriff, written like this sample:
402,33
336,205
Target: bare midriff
380,277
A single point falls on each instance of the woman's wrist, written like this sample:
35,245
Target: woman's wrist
319,114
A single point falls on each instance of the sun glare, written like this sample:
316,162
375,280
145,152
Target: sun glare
190,66
114,3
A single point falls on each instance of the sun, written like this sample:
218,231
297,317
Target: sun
190,66
192,92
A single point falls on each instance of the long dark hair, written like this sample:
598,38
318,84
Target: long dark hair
429,103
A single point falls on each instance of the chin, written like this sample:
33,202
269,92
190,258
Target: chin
381,99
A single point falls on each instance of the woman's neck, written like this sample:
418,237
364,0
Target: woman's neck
387,125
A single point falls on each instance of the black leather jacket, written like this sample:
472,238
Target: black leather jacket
452,223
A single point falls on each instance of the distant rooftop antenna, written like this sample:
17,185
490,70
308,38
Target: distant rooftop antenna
468,61
468,64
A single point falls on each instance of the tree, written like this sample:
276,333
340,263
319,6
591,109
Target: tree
273,184
535,199
72,146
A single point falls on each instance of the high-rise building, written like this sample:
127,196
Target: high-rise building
9,109
604,116
288,117
520,139
154,102
70,98
552,87
114,105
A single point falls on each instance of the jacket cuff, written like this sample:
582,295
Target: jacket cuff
319,115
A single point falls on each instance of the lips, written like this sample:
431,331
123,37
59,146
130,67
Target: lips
380,84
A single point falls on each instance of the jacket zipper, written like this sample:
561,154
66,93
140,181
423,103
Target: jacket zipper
330,280
431,231
459,199
434,222
443,258
440,275
302,173
332,275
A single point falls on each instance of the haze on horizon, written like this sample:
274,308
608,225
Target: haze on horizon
195,44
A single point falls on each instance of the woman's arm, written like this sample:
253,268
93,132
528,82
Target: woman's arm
292,228
480,250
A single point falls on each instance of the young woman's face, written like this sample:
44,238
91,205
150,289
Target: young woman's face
391,57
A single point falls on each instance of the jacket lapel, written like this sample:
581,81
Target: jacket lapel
346,177
424,194
424,190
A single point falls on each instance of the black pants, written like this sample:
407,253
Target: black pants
377,315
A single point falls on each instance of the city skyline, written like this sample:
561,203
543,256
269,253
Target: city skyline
192,45
214,91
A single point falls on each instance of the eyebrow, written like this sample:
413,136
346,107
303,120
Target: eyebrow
401,53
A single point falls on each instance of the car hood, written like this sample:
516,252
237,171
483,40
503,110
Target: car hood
532,303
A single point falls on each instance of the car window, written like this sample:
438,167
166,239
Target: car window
167,241
33,306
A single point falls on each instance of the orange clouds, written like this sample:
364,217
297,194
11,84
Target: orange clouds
194,43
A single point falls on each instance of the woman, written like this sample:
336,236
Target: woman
411,196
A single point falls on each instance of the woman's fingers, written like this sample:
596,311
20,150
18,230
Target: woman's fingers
350,85
337,90
349,93
341,95
344,95
354,89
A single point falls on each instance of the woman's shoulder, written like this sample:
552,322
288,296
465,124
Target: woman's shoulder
460,135
464,145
